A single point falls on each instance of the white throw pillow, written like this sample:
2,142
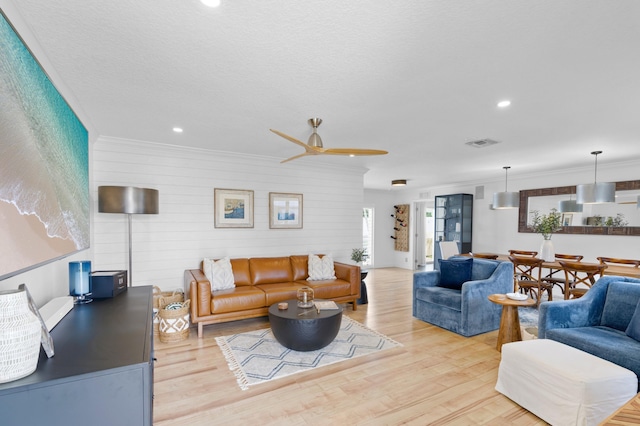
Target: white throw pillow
321,269
219,273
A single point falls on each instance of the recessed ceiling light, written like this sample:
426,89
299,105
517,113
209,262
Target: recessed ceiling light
177,129
504,104
211,3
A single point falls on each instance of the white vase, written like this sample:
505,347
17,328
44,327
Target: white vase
20,333
547,252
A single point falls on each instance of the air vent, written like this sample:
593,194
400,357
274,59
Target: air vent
482,143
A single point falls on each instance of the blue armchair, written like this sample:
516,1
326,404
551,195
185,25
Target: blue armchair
597,322
466,311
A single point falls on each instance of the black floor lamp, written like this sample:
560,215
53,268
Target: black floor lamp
128,200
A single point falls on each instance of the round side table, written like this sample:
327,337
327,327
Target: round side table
509,320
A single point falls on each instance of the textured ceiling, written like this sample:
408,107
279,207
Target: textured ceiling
418,78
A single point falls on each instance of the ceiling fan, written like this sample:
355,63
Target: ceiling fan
314,146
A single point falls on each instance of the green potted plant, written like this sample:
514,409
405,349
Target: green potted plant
546,225
359,255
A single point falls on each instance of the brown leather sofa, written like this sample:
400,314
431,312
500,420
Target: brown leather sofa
261,282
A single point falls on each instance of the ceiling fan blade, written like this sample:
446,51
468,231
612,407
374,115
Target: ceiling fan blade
291,139
304,154
353,151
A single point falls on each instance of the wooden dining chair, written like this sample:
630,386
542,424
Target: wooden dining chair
577,273
484,255
523,253
527,274
557,276
614,261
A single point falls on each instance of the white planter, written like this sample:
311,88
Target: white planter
20,333
547,252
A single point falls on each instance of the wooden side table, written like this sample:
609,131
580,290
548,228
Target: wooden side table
509,320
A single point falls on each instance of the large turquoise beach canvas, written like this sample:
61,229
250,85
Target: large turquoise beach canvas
44,173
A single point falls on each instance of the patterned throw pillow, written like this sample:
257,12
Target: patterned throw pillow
219,273
321,269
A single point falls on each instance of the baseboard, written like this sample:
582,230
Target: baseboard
55,310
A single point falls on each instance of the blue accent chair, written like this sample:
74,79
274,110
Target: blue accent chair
596,322
467,311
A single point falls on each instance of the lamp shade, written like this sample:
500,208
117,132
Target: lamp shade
569,206
596,193
506,200
127,199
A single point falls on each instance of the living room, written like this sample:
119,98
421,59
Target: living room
334,194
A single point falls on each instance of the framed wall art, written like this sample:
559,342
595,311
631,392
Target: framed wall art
233,208
285,211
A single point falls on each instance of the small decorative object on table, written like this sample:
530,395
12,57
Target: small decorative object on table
305,297
80,281
546,225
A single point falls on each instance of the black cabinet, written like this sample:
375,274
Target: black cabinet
102,371
453,218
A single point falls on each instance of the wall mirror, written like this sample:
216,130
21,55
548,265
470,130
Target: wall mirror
595,219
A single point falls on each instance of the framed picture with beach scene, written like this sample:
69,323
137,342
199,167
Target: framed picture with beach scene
285,211
233,208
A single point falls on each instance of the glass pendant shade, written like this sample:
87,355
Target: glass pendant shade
569,206
596,193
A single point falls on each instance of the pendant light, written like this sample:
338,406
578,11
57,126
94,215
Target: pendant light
506,200
569,206
596,193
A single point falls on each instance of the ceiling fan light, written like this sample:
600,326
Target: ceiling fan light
506,200
596,193
399,182
569,206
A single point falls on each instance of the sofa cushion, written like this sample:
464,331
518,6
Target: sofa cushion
321,268
329,289
219,273
270,270
455,272
300,267
241,272
441,296
633,330
279,292
620,304
237,299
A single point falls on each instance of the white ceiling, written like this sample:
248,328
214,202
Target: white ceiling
418,78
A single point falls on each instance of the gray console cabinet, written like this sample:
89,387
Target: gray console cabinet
102,371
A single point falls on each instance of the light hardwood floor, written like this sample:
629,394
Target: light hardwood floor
435,378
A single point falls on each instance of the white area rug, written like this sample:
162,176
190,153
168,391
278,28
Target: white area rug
256,357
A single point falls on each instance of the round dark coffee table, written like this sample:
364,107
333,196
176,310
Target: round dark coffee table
307,332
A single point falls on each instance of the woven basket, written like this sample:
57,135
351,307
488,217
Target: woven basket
162,299
174,323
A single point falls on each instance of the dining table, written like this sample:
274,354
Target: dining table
620,270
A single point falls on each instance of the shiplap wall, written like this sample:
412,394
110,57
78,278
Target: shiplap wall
183,233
